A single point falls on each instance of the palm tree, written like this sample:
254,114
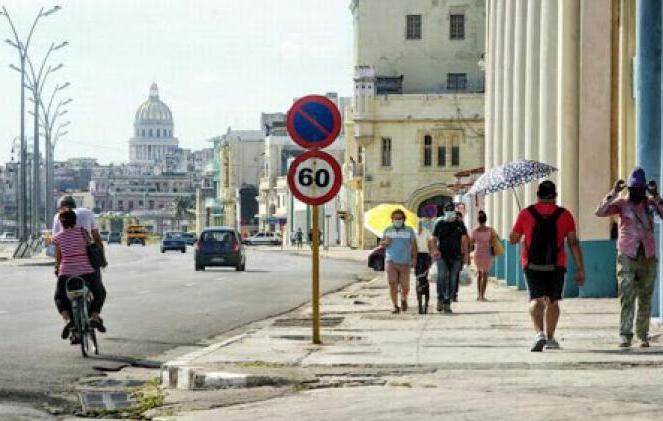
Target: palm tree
182,206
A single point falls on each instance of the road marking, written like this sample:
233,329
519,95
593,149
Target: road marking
220,278
191,284
147,291
3,312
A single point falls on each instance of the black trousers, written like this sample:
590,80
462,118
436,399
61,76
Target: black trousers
423,264
93,281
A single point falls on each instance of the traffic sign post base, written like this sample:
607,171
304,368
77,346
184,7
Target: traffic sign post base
316,275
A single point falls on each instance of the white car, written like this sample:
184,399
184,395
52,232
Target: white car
264,238
8,237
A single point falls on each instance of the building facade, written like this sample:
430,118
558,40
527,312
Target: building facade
416,117
552,96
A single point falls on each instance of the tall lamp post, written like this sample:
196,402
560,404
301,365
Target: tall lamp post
52,135
22,49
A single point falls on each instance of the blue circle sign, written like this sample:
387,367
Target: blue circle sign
314,122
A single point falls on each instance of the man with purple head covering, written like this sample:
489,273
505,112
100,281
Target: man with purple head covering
636,250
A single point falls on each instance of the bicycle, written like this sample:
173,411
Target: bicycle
81,297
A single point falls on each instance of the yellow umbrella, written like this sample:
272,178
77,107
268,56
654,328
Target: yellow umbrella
377,220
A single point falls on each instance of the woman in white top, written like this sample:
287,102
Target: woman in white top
423,255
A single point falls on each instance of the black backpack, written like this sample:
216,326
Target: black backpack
543,248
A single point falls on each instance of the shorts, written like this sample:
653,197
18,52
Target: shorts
545,284
398,274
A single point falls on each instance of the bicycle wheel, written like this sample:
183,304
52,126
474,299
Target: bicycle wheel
80,321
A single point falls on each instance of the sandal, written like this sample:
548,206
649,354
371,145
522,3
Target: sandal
98,324
67,330
396,310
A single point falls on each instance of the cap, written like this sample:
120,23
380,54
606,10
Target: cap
637,178
547,190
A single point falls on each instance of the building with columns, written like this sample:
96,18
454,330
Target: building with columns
153,140
417,113
557,92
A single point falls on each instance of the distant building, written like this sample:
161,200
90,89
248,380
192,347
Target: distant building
417,114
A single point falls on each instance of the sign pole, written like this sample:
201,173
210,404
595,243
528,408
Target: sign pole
316,275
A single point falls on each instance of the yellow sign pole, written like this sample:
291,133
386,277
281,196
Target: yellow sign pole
316,275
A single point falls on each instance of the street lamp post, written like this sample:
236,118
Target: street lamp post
23,54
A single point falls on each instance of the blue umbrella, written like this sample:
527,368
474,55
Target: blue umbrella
511,175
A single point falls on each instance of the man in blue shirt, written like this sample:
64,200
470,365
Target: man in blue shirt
400,244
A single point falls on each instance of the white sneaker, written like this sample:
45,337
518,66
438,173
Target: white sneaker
539,342
552,344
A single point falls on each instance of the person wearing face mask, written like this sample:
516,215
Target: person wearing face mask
449,248
400,244
636,251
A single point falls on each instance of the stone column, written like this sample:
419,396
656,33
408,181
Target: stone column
489,94
548,84
626,142
507,110
498,107
531,111
568,106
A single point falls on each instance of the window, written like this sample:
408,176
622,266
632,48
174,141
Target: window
131,204
150,133
386,152
151,204
158,132
428,151
140,204
413,30
143,132
455,152
441,156
457,27
120,204
456,81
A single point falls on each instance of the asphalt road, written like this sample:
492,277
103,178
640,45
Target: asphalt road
155,302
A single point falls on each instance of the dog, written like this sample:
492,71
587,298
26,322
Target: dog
423,292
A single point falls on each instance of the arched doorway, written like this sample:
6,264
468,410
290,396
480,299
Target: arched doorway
434,194
437,201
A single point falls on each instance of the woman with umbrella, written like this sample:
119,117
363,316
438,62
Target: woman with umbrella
481,239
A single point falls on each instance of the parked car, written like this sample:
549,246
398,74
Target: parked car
114,237
173,240
269,238
104,235
189,237
376,259
219,247
8,237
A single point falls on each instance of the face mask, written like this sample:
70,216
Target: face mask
398,223
449,215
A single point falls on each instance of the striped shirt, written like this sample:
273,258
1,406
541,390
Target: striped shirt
72,243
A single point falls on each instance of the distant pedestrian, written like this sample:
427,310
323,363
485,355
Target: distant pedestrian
449,247
299,238
636,251
422,267
400,245
545,226
481,239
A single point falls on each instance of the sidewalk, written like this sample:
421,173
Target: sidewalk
6,258
376,365
334,252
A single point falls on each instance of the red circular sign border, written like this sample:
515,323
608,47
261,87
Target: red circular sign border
336,116
338,180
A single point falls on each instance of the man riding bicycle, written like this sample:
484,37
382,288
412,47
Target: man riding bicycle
72,261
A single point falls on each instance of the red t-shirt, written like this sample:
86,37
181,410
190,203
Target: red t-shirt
525,225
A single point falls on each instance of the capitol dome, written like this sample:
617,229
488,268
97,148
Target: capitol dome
153,110
153,138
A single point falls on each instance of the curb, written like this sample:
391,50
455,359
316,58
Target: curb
225,380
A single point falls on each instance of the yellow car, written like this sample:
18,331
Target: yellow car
135,234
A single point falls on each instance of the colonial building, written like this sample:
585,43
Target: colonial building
416,117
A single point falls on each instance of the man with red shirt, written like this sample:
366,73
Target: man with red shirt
544,227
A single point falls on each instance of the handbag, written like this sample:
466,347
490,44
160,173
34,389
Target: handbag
94,253
496,247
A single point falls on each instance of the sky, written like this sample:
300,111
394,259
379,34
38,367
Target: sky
218,64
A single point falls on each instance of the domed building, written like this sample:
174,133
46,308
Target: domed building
153,139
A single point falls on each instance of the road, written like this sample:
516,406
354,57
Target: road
155,302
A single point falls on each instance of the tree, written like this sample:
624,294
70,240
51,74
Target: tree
183,205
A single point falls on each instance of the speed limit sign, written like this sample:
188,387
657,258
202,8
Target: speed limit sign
314,177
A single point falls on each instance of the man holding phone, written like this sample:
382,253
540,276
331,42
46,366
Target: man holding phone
636,250
400,243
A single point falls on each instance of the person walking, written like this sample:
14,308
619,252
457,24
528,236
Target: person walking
401,254
299,237
545,226
423,254
636,251
481,239
449,247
